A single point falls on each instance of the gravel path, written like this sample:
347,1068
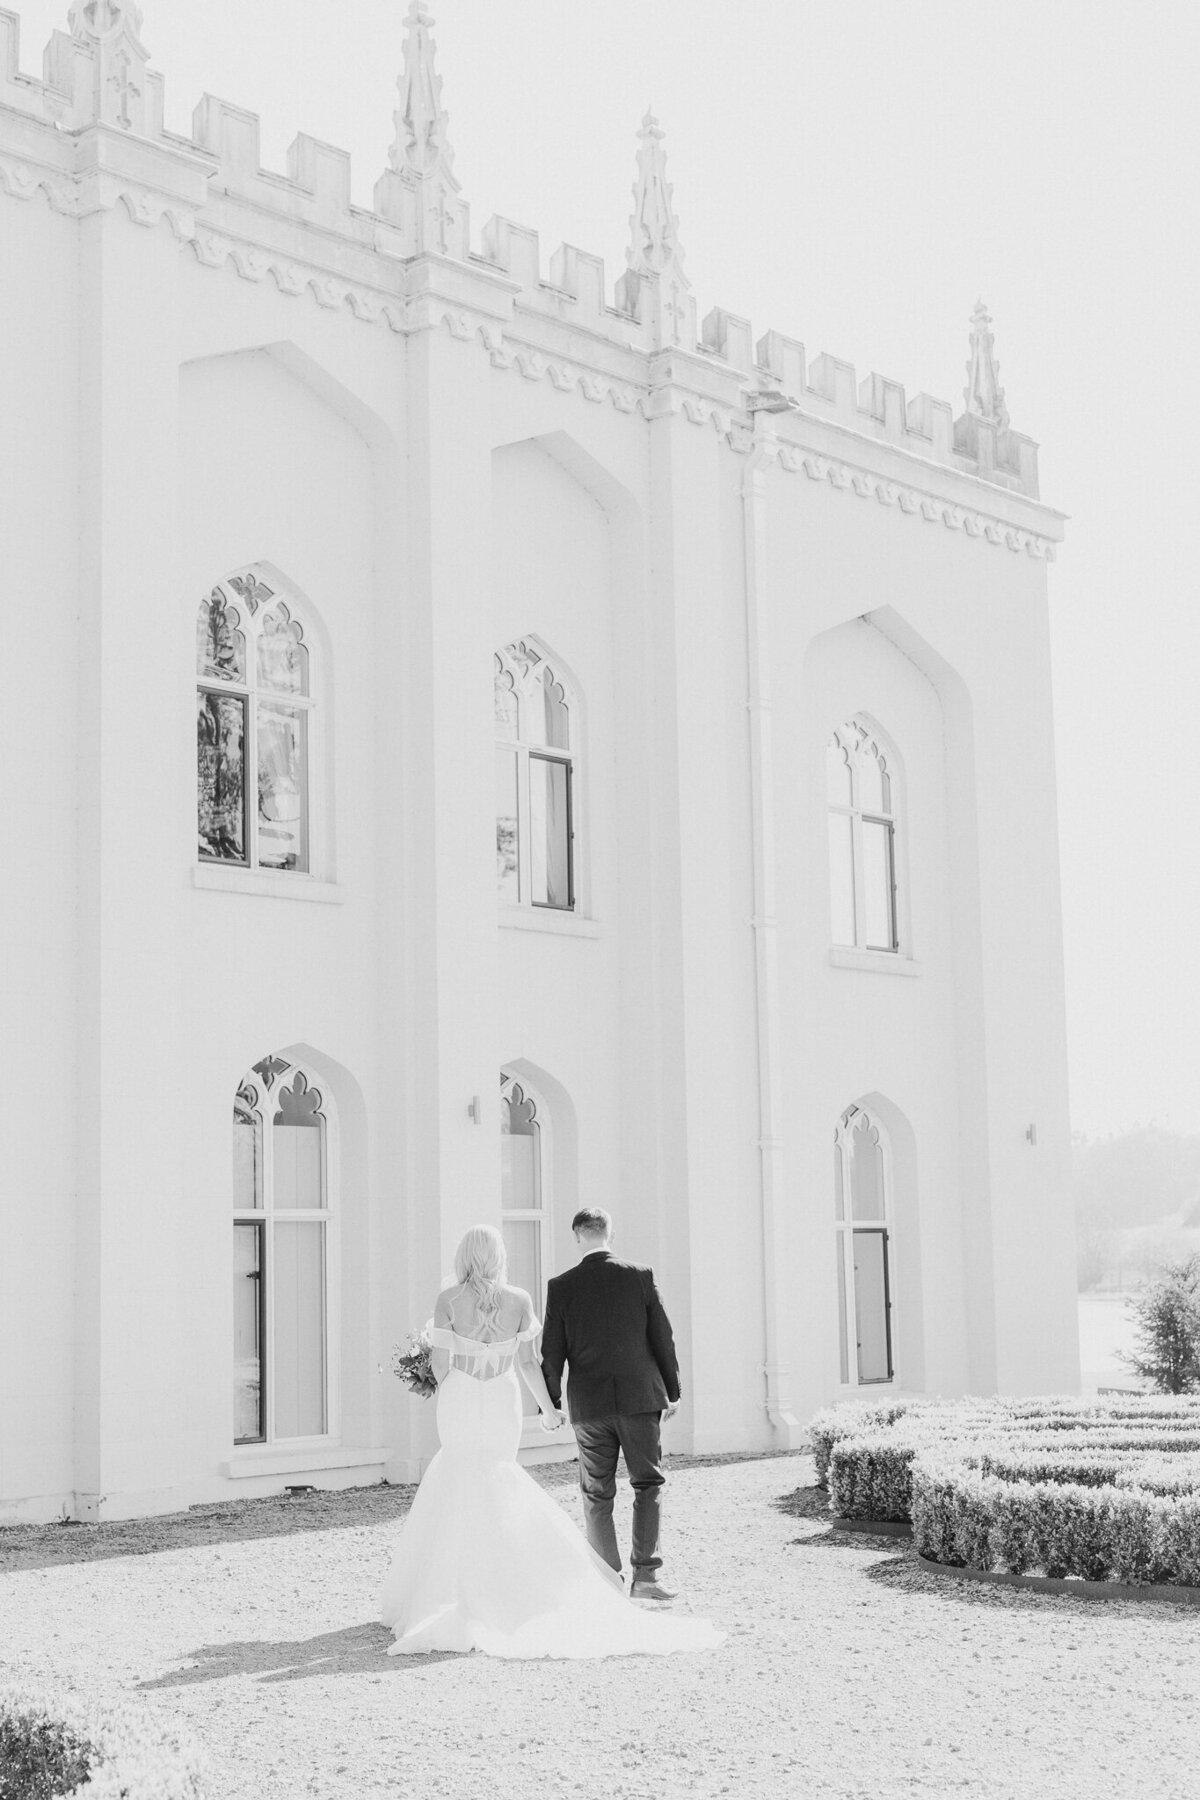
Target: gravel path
846,1672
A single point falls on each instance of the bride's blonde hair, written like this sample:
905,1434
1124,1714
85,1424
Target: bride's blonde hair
481,1265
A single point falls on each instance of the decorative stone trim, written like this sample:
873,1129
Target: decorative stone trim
1071,1584
76,197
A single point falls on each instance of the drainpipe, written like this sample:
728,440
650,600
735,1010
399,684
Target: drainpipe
777,1374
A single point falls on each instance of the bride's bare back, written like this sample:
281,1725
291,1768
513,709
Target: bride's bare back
458,1308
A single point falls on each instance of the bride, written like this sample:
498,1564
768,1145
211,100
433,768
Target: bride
486,1559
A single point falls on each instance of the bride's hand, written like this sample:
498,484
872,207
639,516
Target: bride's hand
552,1420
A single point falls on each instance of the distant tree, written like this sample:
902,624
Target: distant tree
1093,1253
1167,1319
1136,1178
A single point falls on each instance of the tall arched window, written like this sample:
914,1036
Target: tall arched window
535,780
862,1183
253,727
283,1220
860,785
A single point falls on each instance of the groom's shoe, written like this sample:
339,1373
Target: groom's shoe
649,1587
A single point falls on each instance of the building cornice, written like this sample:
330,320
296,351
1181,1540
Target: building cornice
100,169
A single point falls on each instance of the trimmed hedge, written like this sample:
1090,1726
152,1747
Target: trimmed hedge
1104,1490
58,1745
967,1519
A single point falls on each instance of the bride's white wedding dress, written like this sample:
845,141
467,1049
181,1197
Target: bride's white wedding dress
487,1560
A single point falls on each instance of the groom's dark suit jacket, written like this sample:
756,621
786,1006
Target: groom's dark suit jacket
605,1320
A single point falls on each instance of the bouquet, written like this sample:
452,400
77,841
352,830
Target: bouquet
414,1364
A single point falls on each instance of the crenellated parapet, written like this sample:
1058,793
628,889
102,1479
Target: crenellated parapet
91,131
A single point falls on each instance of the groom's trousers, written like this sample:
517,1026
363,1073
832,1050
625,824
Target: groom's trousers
601,1441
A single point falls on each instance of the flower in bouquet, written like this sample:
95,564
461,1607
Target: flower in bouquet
414,1364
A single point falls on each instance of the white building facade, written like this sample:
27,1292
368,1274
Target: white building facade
615,738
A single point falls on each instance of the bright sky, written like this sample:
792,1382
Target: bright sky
855,175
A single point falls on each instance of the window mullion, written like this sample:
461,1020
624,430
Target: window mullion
847,1234
524,857
250,797
267,1358
858,877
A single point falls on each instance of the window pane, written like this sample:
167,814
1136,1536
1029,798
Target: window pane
299,1292
837,775
282,657
247,1320
523,1242
549,832
247,1157
839,1204
870,1306
220,646
878,896
519,1184
557,720
872,782
843,1341
841,877
282,788
866,1172
220,783
299,1167
508,878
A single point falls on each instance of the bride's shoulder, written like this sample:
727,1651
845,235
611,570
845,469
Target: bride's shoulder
444,1304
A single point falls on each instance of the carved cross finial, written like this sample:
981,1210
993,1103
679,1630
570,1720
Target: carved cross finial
421,147
983,393
654,247
96,18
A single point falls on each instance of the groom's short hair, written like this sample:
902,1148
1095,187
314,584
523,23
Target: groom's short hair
592,1221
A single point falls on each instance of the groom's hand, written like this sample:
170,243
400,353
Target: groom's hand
551,1421
670,1409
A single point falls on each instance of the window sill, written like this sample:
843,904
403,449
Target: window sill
276,886
879,962
277,1459
536,918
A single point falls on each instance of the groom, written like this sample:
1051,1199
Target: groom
605,1319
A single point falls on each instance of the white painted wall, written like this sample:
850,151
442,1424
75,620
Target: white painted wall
435,485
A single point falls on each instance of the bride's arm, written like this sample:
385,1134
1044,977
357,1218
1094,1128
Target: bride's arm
535,1381
529,1363
440,1359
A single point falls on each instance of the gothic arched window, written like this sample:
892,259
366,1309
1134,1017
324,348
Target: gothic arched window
860,788
535,779
282,1169
862,1212
254,709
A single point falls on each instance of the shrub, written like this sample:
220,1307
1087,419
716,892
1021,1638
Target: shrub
967,1519
39,1756
1167,1318
1108,1490
59,1745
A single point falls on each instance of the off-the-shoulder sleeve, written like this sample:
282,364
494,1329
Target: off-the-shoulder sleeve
439,1336
531,1329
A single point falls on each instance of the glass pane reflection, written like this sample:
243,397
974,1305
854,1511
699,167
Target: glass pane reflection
281,783
220,776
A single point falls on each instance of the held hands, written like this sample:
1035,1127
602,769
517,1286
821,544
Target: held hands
551,1421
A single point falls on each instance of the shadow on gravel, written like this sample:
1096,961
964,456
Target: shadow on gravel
228,1522
813,1503
278,1515
356,1650
804,1503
